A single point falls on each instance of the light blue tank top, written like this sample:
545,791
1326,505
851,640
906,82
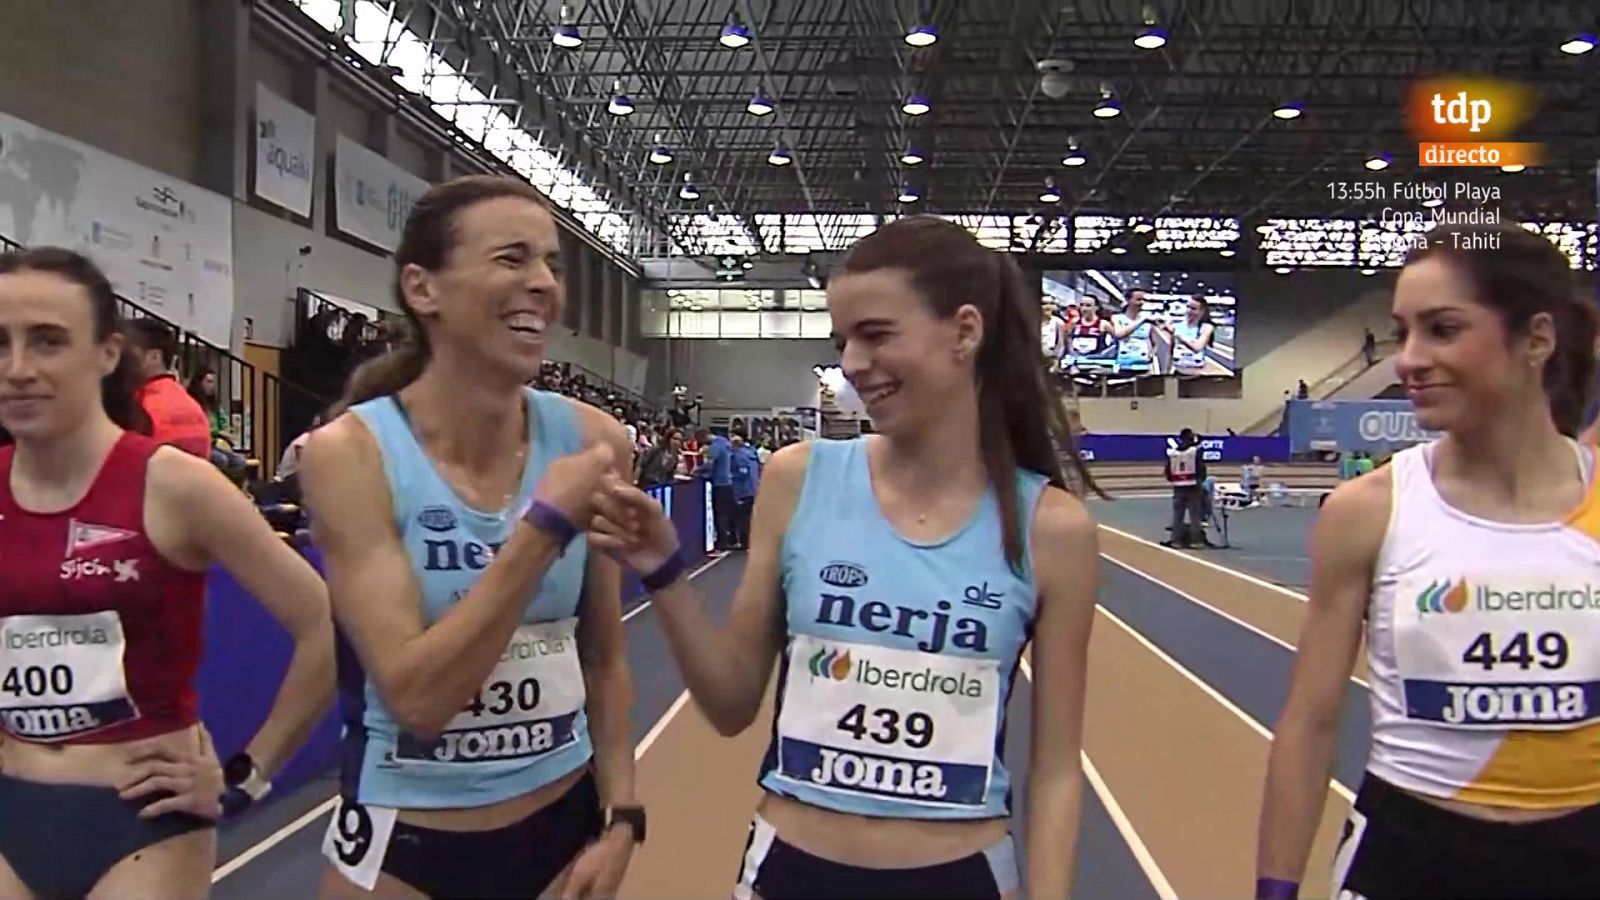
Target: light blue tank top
1182,356
900,656
527,727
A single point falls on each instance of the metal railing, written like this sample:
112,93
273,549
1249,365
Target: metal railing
254,399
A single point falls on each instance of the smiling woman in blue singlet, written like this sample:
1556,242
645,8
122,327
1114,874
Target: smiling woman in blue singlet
485,692
896,580
1472,564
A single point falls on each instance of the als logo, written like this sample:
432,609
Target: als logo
843,574
437,519
827,663
981,596
1443,596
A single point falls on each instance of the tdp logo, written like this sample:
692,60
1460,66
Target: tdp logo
1443,596
1459,110
827,663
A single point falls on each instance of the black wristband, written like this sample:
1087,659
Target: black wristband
665,574
551,521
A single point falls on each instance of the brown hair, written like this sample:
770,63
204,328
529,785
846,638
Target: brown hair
1022,417
118,390
1520,274
428,238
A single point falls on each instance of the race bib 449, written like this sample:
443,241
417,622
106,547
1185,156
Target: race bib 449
1500,650
899,725
62,676
527,708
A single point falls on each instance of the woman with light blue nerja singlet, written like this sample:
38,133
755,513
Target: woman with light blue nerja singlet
895,581
1191,337
484,690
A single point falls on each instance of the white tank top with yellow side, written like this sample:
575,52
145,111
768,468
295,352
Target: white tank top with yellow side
1483,641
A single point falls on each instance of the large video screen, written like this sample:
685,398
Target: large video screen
1135,324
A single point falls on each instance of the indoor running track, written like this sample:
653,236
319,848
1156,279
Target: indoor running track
1189,665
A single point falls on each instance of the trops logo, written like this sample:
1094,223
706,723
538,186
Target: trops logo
1509,594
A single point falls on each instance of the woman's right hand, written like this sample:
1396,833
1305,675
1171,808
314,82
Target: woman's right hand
571,482
632,526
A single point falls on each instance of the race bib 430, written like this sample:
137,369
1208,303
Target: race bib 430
1500,650
899,725
527,708
62,676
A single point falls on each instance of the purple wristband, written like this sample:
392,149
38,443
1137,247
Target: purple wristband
665,574
1276,889
551,521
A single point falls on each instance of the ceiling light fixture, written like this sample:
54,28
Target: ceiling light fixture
734,35
780,157
1050,194
1377,163
909,195
1287,111
922,36
566,34
1150,37
911,158
916,105
1578,44
1513,168
760,105
621,104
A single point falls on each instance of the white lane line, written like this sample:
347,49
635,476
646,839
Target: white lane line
1260,582
1210,691
661,725
326,806
1141,853
1201,603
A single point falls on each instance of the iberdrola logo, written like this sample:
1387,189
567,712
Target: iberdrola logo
826,663
1442,597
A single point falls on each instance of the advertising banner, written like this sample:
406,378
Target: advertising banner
372,196
1236,448
167,245
285,153
1374,426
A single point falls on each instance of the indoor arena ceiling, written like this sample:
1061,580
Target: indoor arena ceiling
1197,133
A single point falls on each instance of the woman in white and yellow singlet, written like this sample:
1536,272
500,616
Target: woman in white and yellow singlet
1473,563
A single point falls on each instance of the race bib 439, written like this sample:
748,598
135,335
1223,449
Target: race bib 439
900,725
62,676
527,708
1500,650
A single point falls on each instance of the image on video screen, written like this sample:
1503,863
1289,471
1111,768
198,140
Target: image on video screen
1109,324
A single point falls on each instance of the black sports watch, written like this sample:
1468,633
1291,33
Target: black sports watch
631,816
243,784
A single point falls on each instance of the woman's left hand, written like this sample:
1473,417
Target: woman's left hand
598,870
190,779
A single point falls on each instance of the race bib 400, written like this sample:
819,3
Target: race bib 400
894,724
1500,651
526,709
61,676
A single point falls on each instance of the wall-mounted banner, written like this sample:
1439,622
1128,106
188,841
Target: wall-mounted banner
285,152
165,244
372,195
1237,448
1371,425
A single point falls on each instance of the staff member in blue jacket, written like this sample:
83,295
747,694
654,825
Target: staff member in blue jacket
746,466
718,470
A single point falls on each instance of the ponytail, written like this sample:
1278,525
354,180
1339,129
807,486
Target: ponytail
388,372
1021,410
1569,372
119,394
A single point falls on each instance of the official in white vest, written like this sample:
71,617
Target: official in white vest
1186,471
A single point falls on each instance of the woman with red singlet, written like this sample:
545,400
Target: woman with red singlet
106,537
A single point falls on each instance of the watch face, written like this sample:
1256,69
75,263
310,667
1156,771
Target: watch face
237,769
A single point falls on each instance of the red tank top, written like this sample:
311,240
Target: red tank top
100,637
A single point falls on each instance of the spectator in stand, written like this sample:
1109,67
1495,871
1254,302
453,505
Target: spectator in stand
746,467
1302,391
175,417
1369,346
203,388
